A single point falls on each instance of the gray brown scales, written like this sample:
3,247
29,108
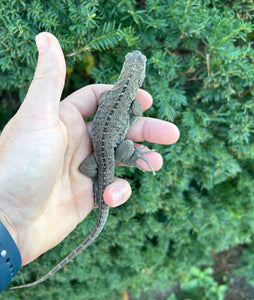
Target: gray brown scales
117,110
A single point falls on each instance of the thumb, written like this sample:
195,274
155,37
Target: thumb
43,97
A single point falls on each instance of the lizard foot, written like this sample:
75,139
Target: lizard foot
127,154
139,154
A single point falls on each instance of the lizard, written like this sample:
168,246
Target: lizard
117,110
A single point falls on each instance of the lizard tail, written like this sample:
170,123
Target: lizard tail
102,218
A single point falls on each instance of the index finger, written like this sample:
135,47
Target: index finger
86,98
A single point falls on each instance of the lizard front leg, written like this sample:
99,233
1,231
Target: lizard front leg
127,154
103,97
136,111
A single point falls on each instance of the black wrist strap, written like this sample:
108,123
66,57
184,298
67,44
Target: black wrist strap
10,259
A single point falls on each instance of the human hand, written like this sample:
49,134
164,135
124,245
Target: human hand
43,195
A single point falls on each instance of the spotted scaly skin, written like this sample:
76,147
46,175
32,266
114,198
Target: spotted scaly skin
117,110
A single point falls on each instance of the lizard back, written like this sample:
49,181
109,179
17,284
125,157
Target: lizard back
110,126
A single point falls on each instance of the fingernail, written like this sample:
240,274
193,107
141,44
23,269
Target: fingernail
42,43
117,197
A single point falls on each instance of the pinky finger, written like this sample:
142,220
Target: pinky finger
117,192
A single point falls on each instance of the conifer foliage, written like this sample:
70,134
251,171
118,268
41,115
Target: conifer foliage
200,72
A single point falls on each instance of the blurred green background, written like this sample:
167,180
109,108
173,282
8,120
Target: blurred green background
186,233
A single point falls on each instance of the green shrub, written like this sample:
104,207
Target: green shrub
201,75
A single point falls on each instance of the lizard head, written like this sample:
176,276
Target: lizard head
136,62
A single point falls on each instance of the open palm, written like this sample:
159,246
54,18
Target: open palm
43,195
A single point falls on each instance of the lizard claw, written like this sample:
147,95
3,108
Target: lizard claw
139,154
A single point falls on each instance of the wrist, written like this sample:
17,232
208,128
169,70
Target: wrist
10,258
8,224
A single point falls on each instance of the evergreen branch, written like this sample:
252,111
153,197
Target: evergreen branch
246,92
200,54
84,49
5,45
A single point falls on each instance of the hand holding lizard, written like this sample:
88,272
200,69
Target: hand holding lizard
41,149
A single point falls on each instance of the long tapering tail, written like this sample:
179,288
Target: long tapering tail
102,218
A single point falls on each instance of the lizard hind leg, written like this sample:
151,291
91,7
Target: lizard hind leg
90,169
127,154
89,166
